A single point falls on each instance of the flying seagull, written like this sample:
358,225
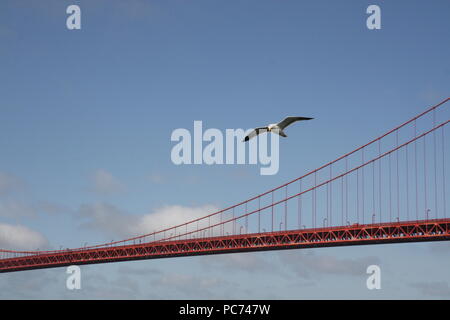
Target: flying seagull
275,127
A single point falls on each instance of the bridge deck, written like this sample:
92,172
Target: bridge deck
410,231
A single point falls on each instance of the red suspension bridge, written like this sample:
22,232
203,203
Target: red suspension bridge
390,190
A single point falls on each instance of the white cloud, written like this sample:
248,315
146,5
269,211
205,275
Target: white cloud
18,237
115,222
169,216
103,182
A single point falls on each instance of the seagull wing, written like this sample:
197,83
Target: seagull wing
289,120
255,132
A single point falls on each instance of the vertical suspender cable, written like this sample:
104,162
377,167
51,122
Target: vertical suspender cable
435,166
443,173
416,174
398,178
379,180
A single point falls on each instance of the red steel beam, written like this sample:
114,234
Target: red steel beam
396,232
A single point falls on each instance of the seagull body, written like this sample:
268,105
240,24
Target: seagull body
275,127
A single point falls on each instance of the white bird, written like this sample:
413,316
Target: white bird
275,127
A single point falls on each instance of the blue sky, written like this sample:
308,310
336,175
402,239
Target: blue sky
86,118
